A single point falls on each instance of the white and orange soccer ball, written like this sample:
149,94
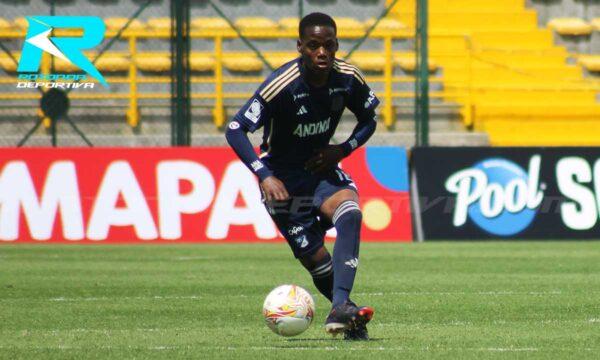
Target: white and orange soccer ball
288,310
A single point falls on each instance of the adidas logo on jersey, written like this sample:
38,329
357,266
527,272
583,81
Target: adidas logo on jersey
304,130
302,111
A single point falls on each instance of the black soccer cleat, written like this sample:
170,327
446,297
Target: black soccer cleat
347,316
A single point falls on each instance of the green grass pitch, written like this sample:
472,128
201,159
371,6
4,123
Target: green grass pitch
477,300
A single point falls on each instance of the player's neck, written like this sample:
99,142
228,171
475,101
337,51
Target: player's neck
316,79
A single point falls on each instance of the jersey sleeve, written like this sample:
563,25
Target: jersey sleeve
254,114
362,99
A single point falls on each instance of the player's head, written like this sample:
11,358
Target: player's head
317,42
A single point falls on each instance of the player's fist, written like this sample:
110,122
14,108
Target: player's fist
325,159
273,189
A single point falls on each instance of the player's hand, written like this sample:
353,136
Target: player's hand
325,159
274,189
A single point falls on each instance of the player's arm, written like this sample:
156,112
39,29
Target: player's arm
250,118
362,103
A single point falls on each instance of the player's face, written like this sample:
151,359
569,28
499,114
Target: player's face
318,46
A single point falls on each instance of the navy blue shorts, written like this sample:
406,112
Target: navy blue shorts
298,218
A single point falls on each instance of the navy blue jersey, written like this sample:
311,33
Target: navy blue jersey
298,118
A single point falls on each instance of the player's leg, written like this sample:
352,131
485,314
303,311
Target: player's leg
320,267
344,213
337,200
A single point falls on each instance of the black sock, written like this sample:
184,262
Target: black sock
322,275
347,220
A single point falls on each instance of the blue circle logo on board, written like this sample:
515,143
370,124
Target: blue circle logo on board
497,195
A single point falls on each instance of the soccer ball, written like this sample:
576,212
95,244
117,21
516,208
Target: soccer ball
288,310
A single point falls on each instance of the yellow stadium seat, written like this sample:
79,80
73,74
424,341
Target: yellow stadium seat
368,61
112,63
289,23
590,62
5,25
117,23
20,23
244,63
570,26
255,24
153,63
210,23
346,24
595,24
386,24
408,62
202,62
159,24
8,64
277,59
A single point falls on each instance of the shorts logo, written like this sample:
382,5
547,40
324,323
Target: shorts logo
253,112
353,263
295,230
69,49
302,241
234,125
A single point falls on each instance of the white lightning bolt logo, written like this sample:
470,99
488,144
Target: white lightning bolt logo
42,41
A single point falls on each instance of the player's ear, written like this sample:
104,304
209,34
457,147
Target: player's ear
337,45
299,45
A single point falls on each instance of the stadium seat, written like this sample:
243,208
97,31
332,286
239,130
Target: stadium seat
242,63
590,62
20,23
386,24
368,61
112,63
408,62
595,24
153,63
202,62
277,59
210,23
159,24
570,26
256,24
7,63
5,25
289,23
117,23
346,24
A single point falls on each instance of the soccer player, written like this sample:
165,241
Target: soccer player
305,192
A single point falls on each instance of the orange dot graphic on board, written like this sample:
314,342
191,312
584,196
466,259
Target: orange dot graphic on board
377,215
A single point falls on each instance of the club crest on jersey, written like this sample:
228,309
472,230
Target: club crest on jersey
253,112
304,130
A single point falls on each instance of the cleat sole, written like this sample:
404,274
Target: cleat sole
335,328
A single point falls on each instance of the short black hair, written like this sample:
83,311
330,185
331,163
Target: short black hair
316,19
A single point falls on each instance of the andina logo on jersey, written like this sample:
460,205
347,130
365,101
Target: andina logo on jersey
69,49
497,195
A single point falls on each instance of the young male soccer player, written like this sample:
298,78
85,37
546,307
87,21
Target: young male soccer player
304,190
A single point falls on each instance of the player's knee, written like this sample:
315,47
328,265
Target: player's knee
315,260
347,211
322,266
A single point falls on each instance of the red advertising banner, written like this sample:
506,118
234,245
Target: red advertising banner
129,195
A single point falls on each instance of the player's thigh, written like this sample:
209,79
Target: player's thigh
333,190
300,228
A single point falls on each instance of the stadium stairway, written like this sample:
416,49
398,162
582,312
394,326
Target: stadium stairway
520,85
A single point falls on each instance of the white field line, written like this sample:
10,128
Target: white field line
188,258
492,293
594,320
191,297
